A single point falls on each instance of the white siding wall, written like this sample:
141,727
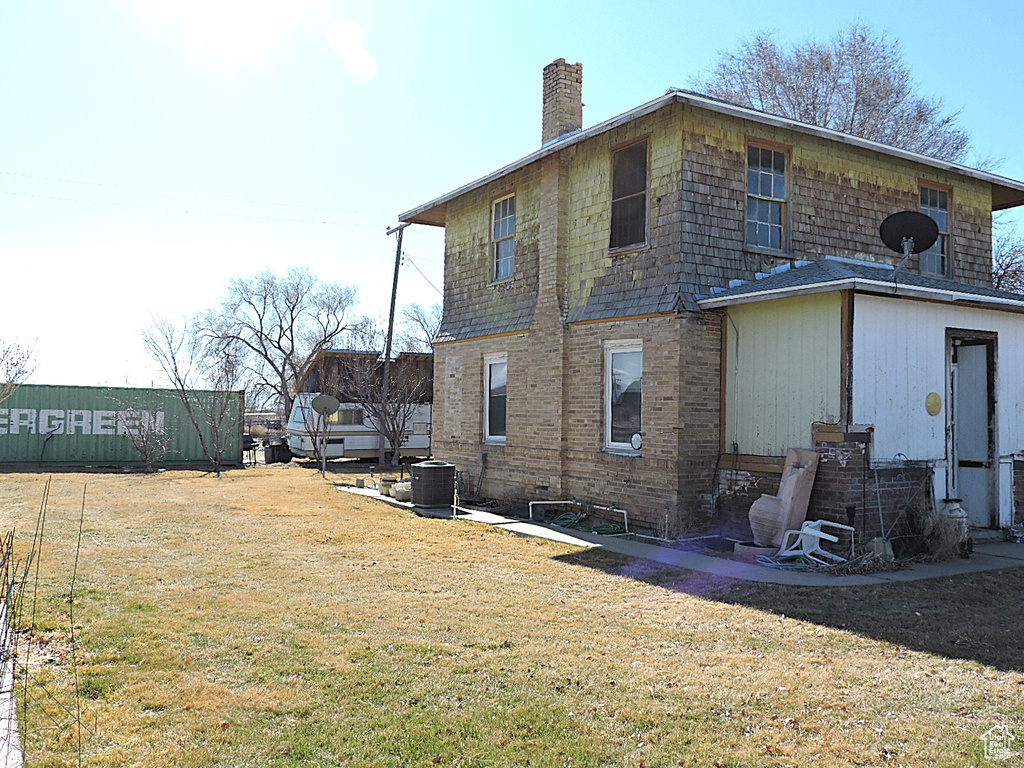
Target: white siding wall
783,372
899,356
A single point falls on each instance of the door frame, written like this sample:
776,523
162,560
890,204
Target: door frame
960,337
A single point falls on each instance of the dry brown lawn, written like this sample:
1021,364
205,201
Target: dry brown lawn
267,618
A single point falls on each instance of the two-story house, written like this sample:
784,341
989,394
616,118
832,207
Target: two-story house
647,313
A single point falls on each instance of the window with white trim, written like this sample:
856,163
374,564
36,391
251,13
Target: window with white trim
935,203
766,198
495,398
623,394
503,234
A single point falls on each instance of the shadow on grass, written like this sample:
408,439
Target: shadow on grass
975,616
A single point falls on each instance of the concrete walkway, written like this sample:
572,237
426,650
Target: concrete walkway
988,556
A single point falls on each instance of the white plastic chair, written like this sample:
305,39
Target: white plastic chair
807,542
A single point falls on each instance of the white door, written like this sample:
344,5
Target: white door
972,436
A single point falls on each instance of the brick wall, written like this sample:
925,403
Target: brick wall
699,411
842,486
847,490
563,99
736,489
894,501
666,489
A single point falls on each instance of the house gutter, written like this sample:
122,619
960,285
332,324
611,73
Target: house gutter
877,287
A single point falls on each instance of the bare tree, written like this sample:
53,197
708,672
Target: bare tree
362,382
856,83
223,397
276,326
328,379
16,364
203,371
363,334
144,428
420,327
1008,261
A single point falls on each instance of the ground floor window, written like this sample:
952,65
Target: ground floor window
495,397
623,395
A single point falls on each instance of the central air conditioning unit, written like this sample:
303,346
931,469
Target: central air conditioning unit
433,484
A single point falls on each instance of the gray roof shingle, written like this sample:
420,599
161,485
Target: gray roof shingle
832,270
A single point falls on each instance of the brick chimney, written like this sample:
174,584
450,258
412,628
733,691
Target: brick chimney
563,100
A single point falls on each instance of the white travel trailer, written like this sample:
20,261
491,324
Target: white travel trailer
350,433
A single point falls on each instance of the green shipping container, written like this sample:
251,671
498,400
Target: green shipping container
95,426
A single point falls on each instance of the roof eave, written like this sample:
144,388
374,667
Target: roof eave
1006,193
866,286
434,211
718,302
1011,191
430,215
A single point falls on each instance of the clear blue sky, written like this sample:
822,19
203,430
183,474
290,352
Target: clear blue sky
151,150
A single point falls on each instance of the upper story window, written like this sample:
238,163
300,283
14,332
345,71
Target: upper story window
503,233
495,397
623,394
935,203
766,198
629,196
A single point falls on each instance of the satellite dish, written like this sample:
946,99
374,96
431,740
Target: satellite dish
636,441
325,405
909,232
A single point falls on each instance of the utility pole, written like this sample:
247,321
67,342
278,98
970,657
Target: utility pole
386,383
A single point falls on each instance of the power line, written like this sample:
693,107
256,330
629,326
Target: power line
413,265
122,188
202,212
64,199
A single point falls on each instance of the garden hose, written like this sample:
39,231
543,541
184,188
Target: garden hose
604,529
568,520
